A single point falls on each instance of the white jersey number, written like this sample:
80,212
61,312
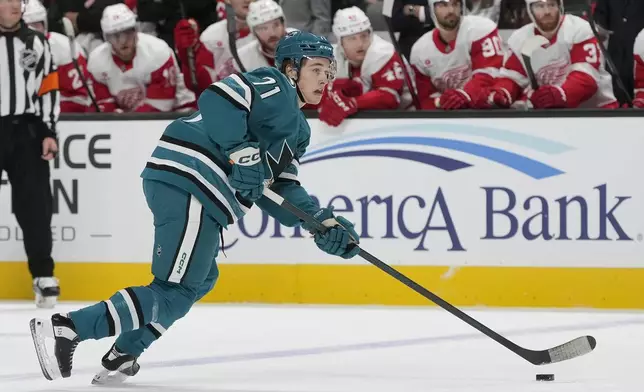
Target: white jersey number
591,48
269,93
395,74
75,77
492,47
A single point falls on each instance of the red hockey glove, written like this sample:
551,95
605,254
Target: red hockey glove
638,103
186,34
548,97
453,99
336,107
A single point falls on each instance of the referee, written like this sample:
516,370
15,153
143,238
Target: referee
29,109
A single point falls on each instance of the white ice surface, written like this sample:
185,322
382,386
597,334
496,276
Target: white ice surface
244,348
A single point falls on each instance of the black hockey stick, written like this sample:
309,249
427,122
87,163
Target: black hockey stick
387,9
191,51
528,48
572,349
609,60
232,35
68,28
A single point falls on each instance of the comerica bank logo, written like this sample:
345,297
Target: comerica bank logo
392,142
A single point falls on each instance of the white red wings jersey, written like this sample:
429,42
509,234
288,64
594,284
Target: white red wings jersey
73,94
638,52
477,53
573,53
150,82
381,70
217,59
252,57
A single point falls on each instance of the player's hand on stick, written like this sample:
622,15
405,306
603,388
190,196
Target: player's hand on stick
336,107
454,99
186,34
340,239
548,97
247,175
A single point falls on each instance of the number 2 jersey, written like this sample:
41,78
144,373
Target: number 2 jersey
469,63
74,97
260,106
573,61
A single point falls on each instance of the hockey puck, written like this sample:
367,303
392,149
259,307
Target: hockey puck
545,377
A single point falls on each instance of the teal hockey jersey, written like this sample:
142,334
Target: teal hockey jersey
260,106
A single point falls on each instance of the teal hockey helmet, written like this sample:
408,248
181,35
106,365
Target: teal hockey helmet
298,45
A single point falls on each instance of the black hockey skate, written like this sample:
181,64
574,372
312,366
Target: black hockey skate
117,367
63,331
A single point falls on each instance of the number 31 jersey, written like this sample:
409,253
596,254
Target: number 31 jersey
470,62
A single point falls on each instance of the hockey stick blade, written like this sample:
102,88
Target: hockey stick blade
575,348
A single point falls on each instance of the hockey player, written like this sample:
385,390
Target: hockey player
456,61
74,97
135,72
206,172
569,70
213,59
266,21
639,70
370,73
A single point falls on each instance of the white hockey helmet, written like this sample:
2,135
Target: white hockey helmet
432,10
528,6
349,21
262,11
116,18
35,12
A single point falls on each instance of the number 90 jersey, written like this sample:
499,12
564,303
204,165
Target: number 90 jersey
441,65
260,106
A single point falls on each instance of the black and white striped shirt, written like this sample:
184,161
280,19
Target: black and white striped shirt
28,77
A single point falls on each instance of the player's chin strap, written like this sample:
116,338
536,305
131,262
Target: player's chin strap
297,87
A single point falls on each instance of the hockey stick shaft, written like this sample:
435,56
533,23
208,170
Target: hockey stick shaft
530,71
609,60
577,347
232,35
68,28
408,80
191,52
387,9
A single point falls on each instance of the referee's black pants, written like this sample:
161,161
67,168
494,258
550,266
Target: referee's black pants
32,201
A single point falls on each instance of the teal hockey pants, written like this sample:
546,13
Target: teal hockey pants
186,243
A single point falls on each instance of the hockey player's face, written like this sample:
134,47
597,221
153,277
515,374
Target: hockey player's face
315,74
240,7
38,26
10,12
448,14
355,46
123,44
270,33
546,14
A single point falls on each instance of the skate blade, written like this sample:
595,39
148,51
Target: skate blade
108,377
39,332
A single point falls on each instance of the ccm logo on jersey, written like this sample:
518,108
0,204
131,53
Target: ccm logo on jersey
248,156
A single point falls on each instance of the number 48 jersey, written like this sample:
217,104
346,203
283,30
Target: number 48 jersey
470,63
258,106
